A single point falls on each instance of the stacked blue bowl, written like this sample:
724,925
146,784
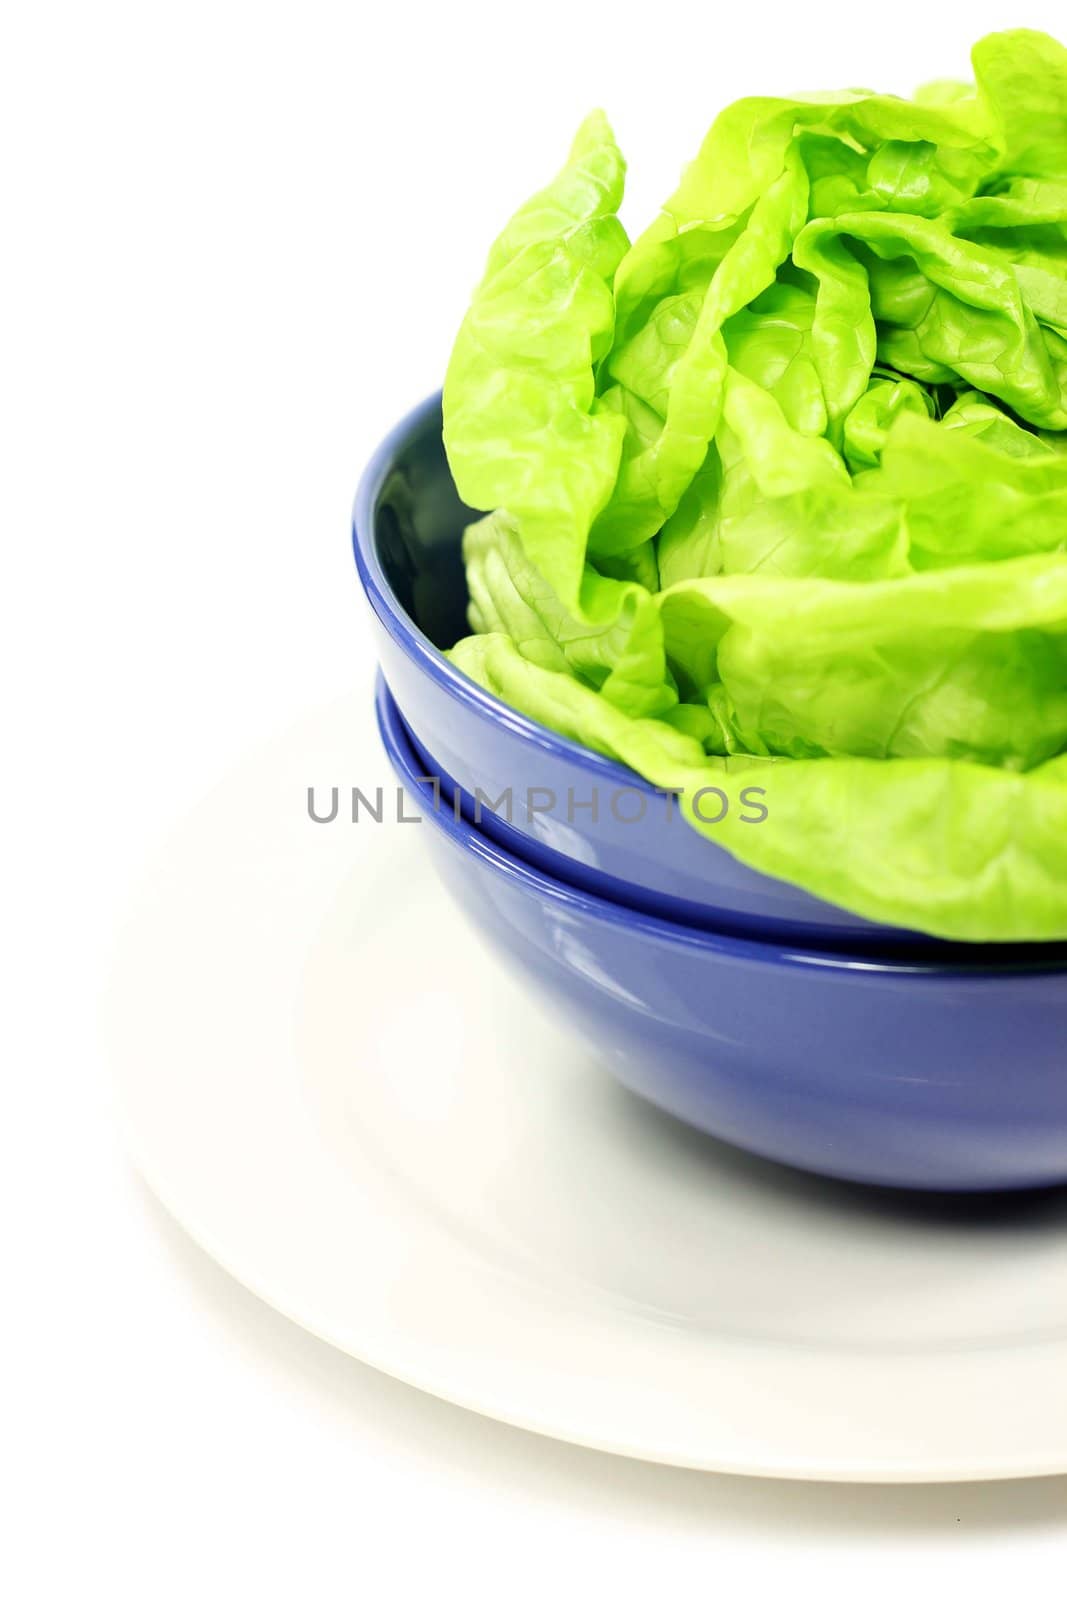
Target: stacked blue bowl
745,1006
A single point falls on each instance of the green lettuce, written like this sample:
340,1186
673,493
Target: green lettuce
781,488
520,390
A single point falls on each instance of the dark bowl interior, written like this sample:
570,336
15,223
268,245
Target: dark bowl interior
418,525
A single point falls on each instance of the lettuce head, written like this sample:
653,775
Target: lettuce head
782,484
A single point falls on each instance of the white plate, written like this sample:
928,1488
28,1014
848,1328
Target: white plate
333,1087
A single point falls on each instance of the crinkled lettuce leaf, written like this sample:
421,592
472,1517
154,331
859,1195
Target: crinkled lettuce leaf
614,642
981,490
968,663
1022,78
521,427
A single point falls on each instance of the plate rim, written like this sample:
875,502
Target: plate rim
993,1365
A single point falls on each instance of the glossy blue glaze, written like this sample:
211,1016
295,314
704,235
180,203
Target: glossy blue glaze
892,1071
407,528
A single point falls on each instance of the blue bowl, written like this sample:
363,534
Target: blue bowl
407,530
910,1073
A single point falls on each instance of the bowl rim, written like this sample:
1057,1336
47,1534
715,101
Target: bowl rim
503,863
406,633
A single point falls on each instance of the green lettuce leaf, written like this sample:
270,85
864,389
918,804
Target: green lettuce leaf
1022,77
945,847
971,492
968,663
613,642
520,426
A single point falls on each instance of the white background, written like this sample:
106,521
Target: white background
237,239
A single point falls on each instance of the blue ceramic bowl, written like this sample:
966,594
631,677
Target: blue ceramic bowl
902,1072
408,525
